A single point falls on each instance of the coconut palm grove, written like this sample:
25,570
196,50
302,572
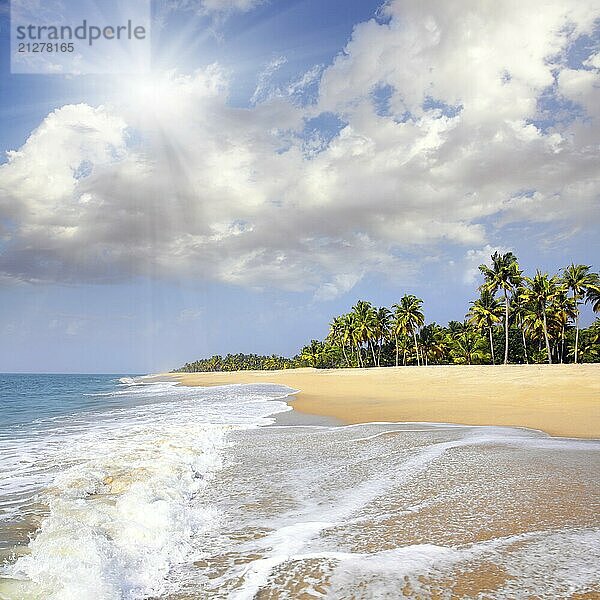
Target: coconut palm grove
516,319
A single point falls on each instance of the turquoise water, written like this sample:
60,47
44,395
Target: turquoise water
44,418
102,479
29,398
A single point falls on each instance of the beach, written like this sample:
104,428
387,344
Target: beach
561,400
140,487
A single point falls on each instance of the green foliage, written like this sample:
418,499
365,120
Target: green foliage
238,362
589,344
526,319
593,297
485,313
504,276
320,355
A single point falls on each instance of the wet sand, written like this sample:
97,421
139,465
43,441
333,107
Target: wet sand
304,508
561,400
404,511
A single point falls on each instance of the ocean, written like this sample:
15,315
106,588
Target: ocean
119,487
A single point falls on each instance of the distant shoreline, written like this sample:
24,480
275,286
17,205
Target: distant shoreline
561,400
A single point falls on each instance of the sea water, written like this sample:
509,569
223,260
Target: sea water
130,488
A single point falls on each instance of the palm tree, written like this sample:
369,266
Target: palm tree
593,294
457,327
590,343
404,346
382,329
485,313
562,310
541,292
432,343
337,335
578,280
312,353
520,311
349,336
365,320
410,314
466,345
503,275
399,331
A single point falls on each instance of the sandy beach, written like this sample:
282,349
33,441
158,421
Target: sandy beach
223,491
561,400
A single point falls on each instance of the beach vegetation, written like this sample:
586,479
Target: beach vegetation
505,276
409,313
485,313
238,362
580,281
526,319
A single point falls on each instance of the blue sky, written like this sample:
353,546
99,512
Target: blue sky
282,160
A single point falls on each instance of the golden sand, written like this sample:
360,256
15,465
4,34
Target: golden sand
562,400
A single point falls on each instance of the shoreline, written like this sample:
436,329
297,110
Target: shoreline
560,400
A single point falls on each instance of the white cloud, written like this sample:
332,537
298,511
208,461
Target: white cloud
172,181
341,283
264,88
582,87
298,88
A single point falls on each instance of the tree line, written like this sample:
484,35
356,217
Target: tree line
516,318
239,362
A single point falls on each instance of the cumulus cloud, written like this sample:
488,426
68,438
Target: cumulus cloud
176,182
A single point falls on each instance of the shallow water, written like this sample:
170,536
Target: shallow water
174,492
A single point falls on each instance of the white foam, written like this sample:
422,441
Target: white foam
116,525
125,490
136,493
307,525
555,564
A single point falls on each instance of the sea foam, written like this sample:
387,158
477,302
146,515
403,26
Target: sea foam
185,493
124,491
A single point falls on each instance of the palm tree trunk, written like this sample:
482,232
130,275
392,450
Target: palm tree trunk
345,355
562,344
492,345
505,327
396,342
373,353
416,348
524,342
576,326
404,357
547,340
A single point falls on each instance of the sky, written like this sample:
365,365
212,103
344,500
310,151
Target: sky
283,159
